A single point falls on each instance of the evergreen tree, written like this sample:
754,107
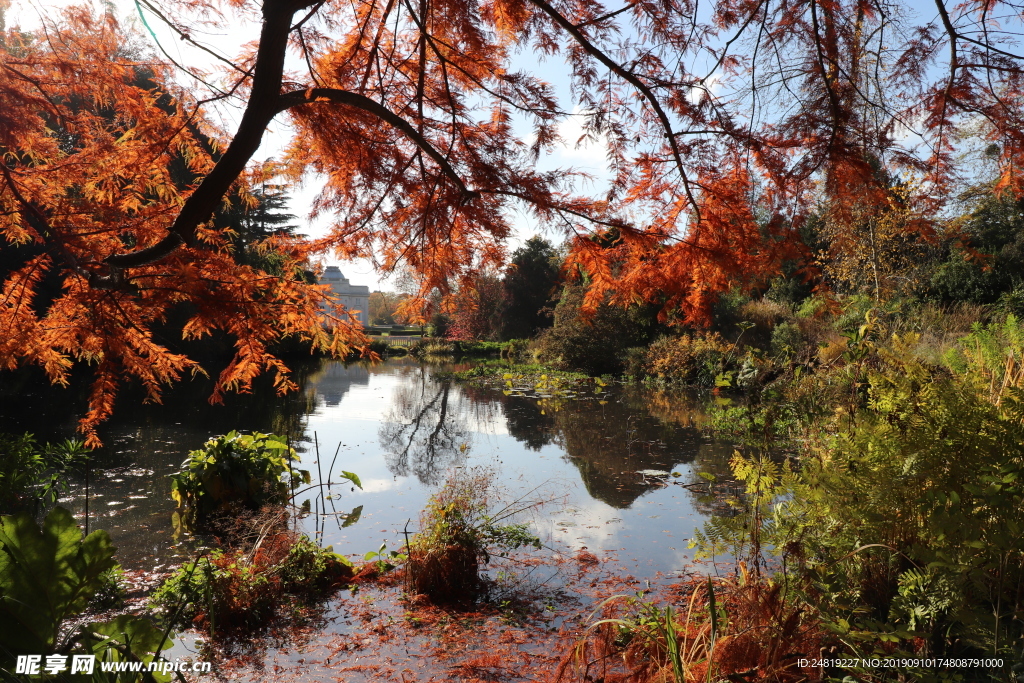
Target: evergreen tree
531,287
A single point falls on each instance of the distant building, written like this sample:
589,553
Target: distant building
353,297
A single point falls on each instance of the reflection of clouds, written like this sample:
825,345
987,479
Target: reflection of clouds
425,433
335,380
379,485
604,530
595,526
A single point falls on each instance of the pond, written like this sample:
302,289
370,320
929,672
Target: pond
403,426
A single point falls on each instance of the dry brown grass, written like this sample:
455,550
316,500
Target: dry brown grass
756,636
447,574
765,312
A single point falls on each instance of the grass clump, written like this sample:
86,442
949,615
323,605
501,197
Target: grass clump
458,536
240,588
713,630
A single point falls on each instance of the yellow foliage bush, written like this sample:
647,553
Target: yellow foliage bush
691,359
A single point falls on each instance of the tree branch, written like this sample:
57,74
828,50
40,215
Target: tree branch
297,98
259,111
632,79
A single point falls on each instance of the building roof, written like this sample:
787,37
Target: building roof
339,283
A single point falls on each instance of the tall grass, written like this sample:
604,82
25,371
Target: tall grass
718,629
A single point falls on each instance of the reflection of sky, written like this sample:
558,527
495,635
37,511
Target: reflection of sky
584,457
651,534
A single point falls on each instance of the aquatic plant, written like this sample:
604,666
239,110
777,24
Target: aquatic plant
458,534
240,588
432,348
248,469
31,474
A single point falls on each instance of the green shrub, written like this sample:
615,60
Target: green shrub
904,524
595,344
32,475
786,339
634,362
993,267
49,576
993,355
810,307
247,469
243,587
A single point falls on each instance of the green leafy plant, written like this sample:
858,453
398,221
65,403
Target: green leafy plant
33,475
48,576
385,559
247,469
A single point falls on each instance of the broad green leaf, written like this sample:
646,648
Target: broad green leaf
46,576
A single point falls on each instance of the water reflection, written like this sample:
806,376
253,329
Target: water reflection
337,379
609,441
402,428
425,433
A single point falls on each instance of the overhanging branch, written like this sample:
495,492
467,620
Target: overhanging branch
298,98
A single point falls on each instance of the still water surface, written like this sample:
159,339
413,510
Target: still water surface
403,428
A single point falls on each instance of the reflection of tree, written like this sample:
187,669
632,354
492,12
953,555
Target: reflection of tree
526,423
52,412
524,418
424,433
715,458
610,443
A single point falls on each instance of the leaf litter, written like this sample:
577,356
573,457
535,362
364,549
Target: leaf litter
536,611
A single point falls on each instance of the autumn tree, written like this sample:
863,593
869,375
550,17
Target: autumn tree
477,310
413,113
384,307
875,249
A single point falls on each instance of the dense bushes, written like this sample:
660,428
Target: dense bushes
595,344
690,359
992,265
902,525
